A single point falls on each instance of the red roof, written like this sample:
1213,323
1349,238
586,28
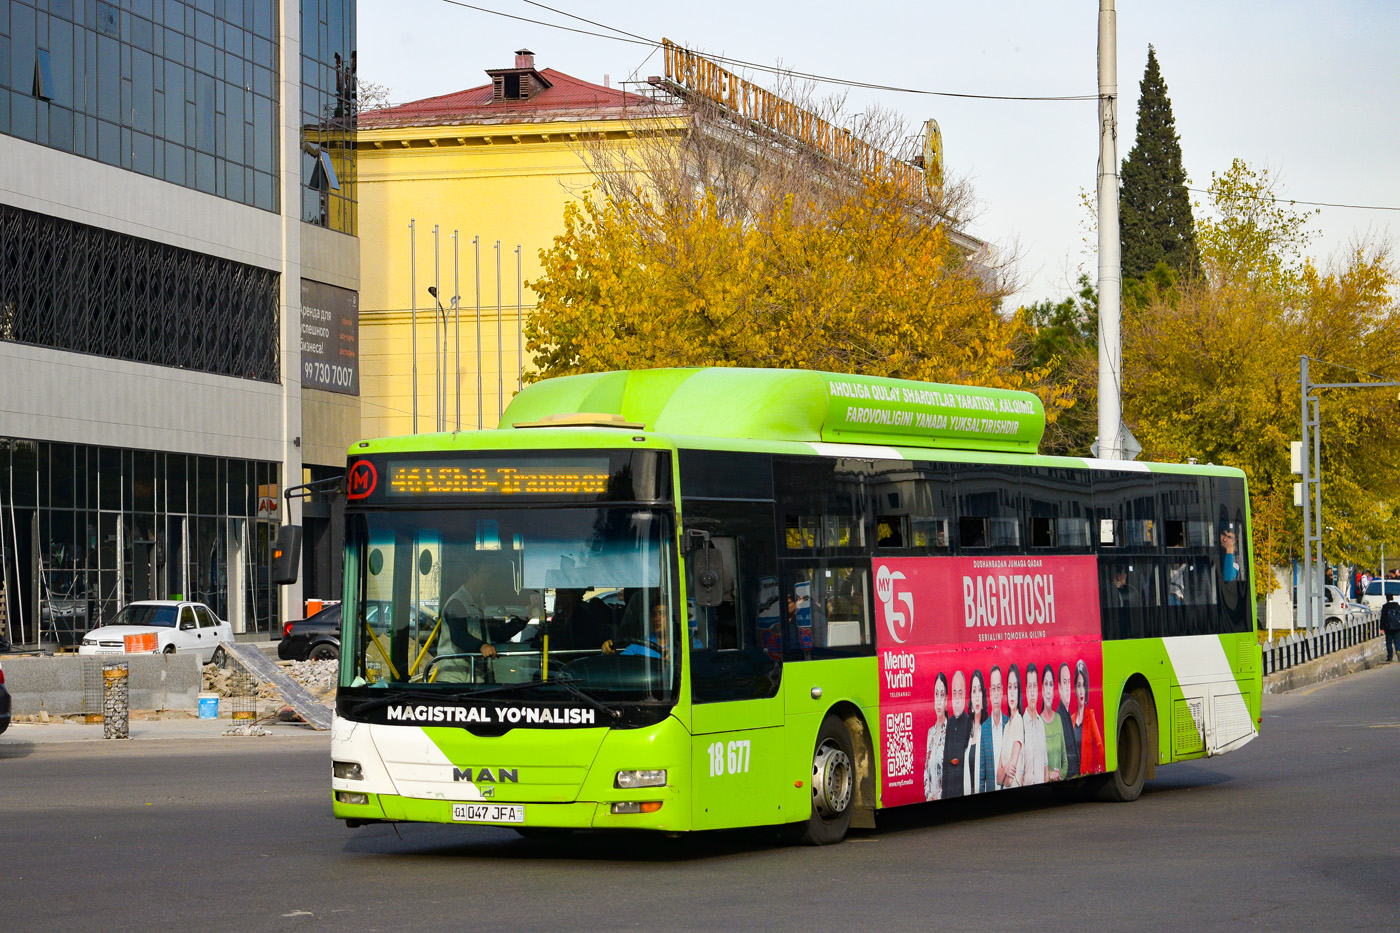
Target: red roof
566,97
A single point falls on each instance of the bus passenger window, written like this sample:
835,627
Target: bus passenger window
1176,533
1138,532
1072,532
826,611
972,532
1108,532
929,532
892,531
1042,531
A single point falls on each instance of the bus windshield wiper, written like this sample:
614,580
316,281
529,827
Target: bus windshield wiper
556,681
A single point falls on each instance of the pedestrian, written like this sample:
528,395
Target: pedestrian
1390,624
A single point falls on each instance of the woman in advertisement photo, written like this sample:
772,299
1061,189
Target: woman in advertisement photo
1056,761
1033,762
993,726
972,760
1013,737
937,737
1086,724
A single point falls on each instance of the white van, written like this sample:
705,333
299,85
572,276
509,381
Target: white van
1375,596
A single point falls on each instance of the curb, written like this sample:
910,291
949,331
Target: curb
1337,664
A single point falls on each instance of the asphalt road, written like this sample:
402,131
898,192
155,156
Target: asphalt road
1298,831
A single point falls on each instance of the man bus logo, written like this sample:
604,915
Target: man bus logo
484,775
900,624
361,480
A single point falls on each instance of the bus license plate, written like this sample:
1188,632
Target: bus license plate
487,813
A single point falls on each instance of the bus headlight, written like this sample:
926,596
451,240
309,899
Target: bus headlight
345,796
347,770
630,779
637,806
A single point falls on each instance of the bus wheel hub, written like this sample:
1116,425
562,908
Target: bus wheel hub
831,781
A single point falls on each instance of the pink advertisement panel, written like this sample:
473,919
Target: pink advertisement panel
965,646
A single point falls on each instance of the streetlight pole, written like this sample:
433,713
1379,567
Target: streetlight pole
1310,599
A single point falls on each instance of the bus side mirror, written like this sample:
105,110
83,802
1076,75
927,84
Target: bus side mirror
286,555
707,575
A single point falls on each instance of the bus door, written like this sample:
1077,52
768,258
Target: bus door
735,635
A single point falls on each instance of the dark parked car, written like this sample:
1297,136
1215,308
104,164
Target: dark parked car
4,703
313,639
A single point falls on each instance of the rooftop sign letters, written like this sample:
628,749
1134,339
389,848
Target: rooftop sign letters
696,74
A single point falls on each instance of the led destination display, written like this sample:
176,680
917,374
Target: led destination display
471,477
429,479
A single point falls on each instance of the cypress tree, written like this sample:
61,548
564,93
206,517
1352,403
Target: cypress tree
1154,210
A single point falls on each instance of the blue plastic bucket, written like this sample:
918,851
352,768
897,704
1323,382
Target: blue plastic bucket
208,706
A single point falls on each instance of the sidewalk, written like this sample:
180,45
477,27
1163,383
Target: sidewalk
62,731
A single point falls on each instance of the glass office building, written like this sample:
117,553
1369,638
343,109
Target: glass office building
147,300
87,529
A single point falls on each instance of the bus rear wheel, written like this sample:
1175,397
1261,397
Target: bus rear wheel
1125,783
833,785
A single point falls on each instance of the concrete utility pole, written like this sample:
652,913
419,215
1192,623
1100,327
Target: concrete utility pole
1110,261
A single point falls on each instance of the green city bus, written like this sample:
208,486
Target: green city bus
691,599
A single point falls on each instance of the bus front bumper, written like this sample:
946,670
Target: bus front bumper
670,816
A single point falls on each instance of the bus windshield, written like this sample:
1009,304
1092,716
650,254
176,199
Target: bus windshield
534,603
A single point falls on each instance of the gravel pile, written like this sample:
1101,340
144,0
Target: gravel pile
318,677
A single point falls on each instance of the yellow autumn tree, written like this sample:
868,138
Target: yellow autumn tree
1211,369
868,283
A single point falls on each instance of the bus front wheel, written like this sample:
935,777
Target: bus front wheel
833,785
1125,783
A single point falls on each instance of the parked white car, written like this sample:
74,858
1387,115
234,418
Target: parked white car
1374,597
178,627
1336,607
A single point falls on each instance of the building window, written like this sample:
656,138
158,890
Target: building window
329,104
94,528
183,92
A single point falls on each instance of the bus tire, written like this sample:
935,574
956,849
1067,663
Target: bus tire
833,785
1124,784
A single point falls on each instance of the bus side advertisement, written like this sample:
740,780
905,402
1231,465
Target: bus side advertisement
958,640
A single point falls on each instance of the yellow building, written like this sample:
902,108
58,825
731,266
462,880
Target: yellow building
495,163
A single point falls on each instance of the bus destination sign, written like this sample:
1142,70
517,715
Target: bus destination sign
429,479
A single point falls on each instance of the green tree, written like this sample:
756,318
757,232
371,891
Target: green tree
1154,211
1211,370
865,285
1064,345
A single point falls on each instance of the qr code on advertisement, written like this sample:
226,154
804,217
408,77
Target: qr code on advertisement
899,744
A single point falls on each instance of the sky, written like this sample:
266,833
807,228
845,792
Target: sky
1307,90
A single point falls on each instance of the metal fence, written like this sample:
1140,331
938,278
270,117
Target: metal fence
1297,649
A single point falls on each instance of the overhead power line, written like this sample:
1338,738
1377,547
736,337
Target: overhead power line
621,35
1283,200
615,34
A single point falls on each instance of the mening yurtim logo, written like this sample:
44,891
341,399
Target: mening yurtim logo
900,624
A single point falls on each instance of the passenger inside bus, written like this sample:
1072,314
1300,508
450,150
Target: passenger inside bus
578,623
656,643
469,628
